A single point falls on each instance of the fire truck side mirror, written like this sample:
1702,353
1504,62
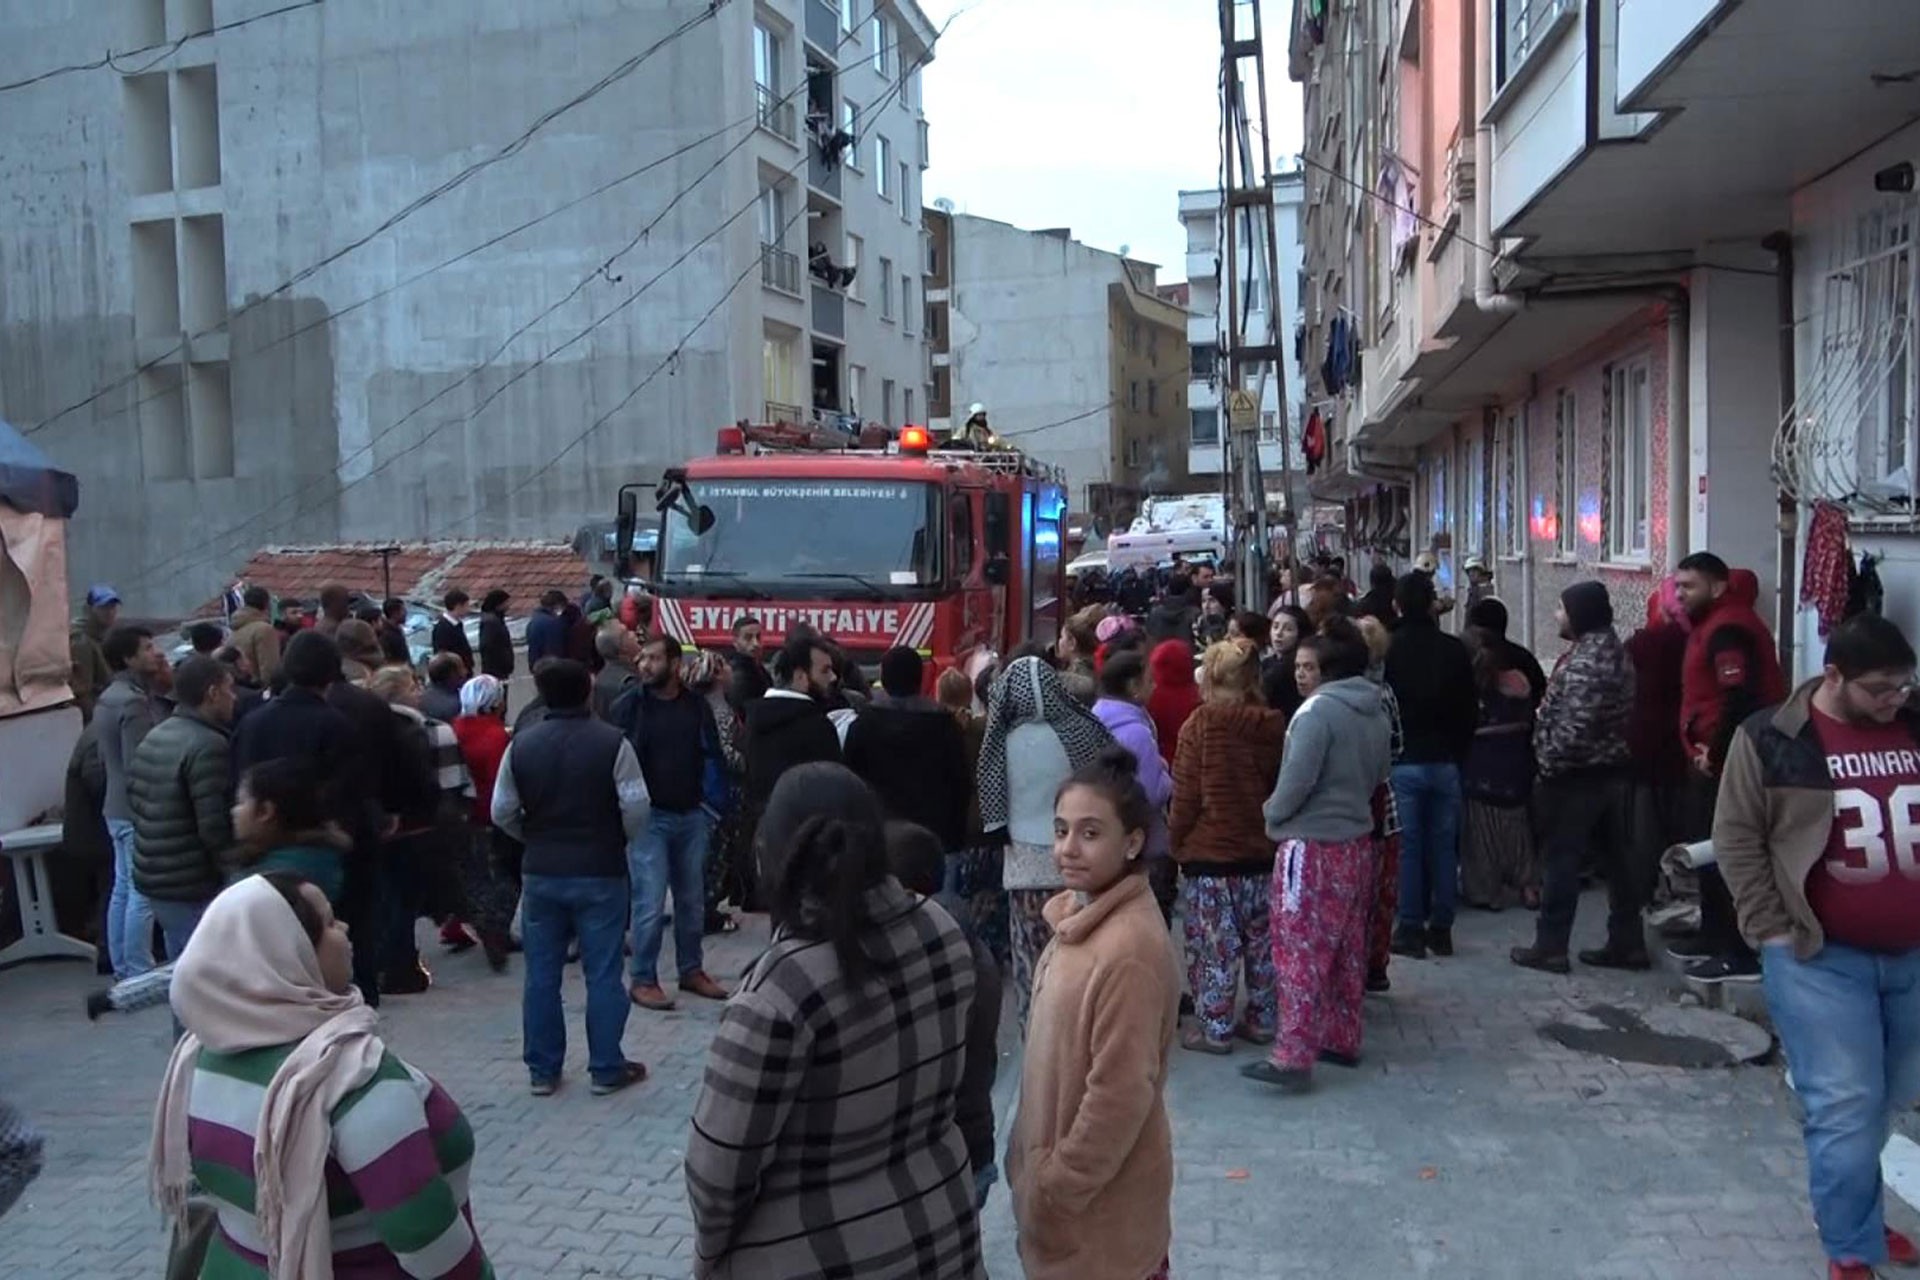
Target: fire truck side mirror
700,519
626,520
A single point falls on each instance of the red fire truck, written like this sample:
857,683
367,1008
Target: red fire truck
953,552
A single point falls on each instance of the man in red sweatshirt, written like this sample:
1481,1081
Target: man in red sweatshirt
1731,669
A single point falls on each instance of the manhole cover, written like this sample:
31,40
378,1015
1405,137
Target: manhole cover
1694,1039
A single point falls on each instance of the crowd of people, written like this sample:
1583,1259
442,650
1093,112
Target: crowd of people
1312,788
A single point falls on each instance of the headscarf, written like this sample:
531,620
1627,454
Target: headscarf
1030,691
250,979
703,668
1111,626
482,694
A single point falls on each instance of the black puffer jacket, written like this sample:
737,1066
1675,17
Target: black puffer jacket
183,828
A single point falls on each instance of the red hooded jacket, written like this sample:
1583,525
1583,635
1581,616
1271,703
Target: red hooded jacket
1175,695
1659,653
1731,669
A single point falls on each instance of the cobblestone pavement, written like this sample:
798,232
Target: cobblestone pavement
1465,1146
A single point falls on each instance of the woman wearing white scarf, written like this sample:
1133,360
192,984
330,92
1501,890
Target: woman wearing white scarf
269,976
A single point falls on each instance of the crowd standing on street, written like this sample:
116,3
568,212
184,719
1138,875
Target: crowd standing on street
1190,821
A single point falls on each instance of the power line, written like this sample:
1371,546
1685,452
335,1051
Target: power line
178,563
165,49
708,9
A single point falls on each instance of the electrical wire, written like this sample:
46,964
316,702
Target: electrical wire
165,49
707,11
179,562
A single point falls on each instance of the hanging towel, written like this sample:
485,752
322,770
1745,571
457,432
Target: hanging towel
1824,579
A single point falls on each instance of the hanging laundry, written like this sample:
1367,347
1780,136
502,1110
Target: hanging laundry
1313,442
1823,582
1396,205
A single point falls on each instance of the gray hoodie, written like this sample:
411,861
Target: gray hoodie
1338,750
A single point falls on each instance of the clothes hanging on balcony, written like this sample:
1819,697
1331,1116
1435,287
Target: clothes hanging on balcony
1313,442
1826,576
1396,205
1336,371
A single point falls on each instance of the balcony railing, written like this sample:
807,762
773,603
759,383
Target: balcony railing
780,269
829,311
776,113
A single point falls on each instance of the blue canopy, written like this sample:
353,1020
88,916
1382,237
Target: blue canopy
29,482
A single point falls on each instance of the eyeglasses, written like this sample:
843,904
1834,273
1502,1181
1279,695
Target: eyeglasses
1883,691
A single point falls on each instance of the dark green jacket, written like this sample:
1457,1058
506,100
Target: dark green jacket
177,787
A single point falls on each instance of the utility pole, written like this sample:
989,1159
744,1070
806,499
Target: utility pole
1247,196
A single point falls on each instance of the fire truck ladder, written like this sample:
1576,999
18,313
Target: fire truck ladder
1246,200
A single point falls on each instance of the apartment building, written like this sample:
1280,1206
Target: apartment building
1076,356
1547,242
363,272
1207,326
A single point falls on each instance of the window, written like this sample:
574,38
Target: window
856,247
906,405
846,16
1523,27
766,59
856,389
1133,394
1629,460
882,45
906,192
1133,453
1509,480
883,167
1473,528
1269,426
933,257
1153,397
1133,335
1203,358
1566,438
886,400
906,304
926,145
1206,426
886,295
962,559
773,216
1200,236
850,121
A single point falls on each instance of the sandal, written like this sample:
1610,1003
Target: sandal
1197,1040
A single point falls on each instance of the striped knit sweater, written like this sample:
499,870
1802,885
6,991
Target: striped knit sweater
396,1178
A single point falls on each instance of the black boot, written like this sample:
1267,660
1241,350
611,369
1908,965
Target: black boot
1410,941
1538,957
1440,941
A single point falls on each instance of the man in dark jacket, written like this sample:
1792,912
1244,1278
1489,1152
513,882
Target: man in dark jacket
179,788
1431,675
91,674
1378,602
789,726
1174,617
1580,749
913,753
673,734
440,699
750,678
619,651
450,632
546,633
126,713
496,641
83,876
570,789
392,631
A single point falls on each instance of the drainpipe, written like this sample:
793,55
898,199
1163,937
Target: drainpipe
1484,295
1780,244
1679,428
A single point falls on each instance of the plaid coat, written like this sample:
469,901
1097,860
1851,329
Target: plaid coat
823,1140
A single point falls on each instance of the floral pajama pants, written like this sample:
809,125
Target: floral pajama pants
1031,934
1322,908
1227,932
1386,906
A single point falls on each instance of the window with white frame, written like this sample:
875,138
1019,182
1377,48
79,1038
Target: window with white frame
886,401
767,58
906,303
856,388
1473,525
882,44
850,122
886,291
1206,426
906,192
1566,489
846,16
1511,480
855,250
1522,28
1629,460
883,166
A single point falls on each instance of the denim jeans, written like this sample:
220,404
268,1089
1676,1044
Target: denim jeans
129,918
177,922
554,910
1849,1021
1429,799
670,853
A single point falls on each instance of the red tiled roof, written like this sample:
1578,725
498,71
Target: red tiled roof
422,571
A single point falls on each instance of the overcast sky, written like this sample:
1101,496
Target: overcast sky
1089,114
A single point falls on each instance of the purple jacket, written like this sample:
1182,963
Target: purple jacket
1132,728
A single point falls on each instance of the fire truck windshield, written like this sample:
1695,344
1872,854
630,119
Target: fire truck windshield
824,536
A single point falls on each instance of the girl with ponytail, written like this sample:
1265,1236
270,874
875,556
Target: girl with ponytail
1091,1157
849,1029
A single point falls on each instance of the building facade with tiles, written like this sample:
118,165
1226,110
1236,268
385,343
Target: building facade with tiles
205,314
1552,248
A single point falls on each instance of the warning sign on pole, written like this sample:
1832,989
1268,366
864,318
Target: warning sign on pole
1243,411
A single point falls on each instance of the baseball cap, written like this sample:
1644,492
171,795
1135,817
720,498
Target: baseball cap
100,595
1425,562
1475,562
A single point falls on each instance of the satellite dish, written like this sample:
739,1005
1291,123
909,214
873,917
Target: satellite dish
1125,249
943,204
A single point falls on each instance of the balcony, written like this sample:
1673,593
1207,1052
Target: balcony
823,25
780,269
829,312
776,114
821,176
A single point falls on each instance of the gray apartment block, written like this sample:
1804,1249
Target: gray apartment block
182,269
